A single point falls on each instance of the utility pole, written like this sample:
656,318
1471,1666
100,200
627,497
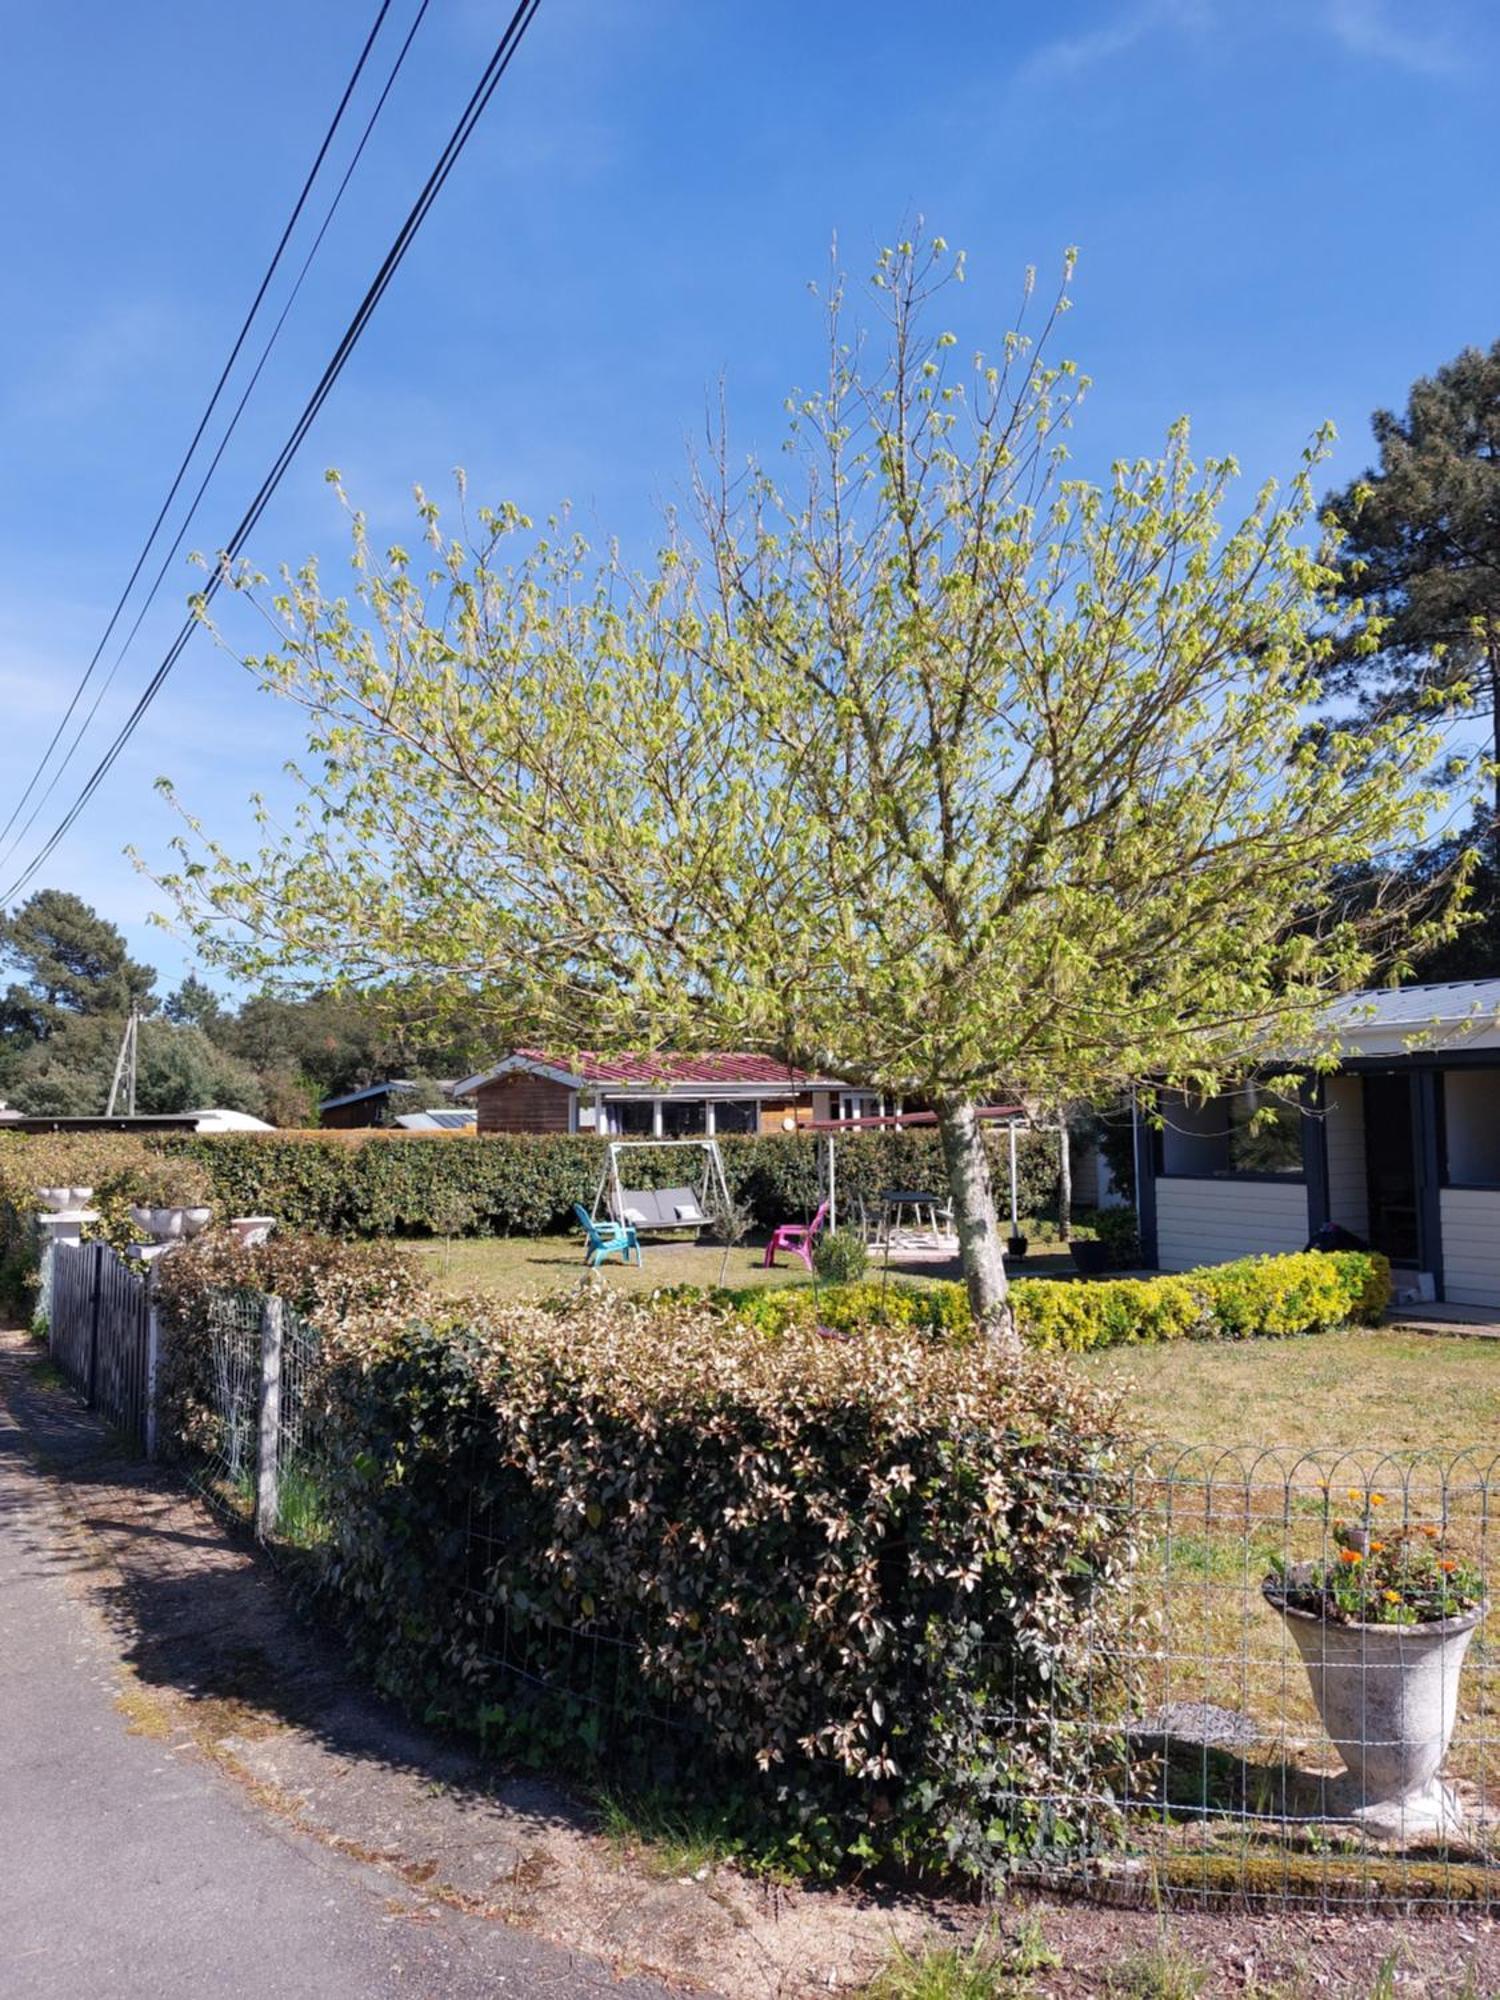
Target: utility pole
125,1068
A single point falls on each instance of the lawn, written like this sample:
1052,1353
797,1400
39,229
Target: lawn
517,1265
1387,1391
1365,1390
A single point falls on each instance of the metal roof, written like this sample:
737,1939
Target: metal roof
437,1121
393,1083
665,1072
1392,1020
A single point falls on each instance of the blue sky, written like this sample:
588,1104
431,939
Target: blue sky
1285,210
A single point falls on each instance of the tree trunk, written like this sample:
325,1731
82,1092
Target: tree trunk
1064,1184
978,1225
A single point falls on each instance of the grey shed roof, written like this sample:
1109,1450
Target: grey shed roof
1396,1020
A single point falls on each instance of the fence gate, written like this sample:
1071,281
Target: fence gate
101,1335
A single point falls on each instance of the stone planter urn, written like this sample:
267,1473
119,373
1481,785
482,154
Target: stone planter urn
170,1225
252,1229
1388,1698
61,1200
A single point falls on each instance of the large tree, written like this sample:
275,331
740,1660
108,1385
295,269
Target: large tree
1419,555
71,961
916,760
178,1069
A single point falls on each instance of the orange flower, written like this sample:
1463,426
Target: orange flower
1377,1499
1377,1548
1392,1596
1350,1556
1447,1566
1355,1494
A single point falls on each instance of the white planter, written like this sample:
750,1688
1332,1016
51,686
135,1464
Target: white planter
62,1199
170,1225
1388,1697
252,1229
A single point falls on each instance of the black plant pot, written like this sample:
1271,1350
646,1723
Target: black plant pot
1015,1248
1090,1257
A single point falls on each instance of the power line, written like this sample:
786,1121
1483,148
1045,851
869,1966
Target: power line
203,421
213,465
489,81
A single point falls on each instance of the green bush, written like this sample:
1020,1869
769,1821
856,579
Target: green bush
859,1573
840,1257
1119,1231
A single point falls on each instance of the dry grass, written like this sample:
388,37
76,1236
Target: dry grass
1390,1391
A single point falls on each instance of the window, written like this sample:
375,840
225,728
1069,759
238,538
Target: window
1250,1131
1471,1123
682,1120
736,1116
1265,1133
860,1104
632,1121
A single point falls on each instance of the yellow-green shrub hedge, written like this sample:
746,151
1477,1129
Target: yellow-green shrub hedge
1254,1298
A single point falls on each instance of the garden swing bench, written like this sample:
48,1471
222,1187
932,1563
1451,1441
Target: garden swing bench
680,1209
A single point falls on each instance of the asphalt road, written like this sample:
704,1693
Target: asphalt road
129,1871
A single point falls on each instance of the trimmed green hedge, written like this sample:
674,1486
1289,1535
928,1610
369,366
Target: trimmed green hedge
865,1588
1256,1298
376,1185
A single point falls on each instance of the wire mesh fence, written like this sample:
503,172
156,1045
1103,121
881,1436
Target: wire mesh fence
252,1450
1268,1708
1272,1725
1237,1749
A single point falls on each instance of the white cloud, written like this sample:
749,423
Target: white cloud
1370,28
1069,54
1377,30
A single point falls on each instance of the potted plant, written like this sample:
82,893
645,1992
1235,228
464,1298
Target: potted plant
1383,1626
1090,1255
1119,1232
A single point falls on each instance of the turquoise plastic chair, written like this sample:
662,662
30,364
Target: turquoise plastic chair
607,1239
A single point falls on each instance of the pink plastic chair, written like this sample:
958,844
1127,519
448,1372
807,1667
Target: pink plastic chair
797,1237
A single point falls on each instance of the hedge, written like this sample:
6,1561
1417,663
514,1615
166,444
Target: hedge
850,1580
379,1184
1255,1298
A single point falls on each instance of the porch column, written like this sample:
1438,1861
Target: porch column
656,1126
1314,1102
708,1117
1145,1182
1426,1118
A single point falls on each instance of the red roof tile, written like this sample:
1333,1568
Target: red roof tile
675,1070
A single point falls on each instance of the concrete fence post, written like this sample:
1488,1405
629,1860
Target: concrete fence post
46,1265
267,1471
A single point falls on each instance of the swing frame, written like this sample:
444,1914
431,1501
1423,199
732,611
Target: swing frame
713,1171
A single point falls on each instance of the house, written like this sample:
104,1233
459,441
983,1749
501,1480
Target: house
380,1104
1400,1146
661,1096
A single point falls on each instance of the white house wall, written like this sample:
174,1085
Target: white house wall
1471,1246
1344,1131
1214,1221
